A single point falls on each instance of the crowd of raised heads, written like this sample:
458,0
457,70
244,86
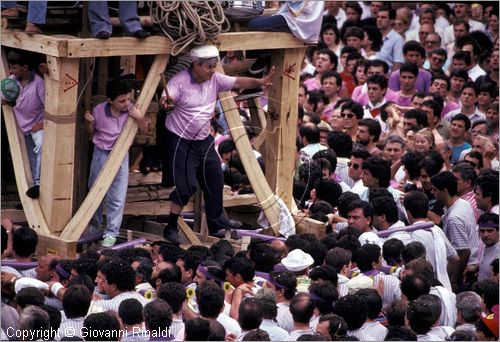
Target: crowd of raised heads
397,126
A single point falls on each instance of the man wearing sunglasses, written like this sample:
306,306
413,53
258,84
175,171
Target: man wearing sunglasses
437,60
351,112
355,171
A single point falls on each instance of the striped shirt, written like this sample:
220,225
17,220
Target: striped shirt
114,303
30,273
141,335
54,302
342,171
176,326
469,197
275,332
448,309
11,270
376,330
429,337
438,251
461,229
392,290
442,331
70,327
284,317
342,285
361,334
488,255
295,334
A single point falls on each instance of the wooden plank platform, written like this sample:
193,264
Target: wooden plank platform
74,47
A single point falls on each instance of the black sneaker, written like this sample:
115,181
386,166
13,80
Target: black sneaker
172,235
259,66
103,35
216,225
33,192
141,34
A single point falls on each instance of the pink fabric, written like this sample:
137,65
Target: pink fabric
30,105
194,103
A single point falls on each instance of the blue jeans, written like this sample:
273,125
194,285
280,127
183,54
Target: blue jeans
274,23
116,195
99,17
37,10
34,147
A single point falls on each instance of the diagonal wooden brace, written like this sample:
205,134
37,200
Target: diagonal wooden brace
21,163
257,179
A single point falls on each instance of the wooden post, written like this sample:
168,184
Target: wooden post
282,123
58,152
78,223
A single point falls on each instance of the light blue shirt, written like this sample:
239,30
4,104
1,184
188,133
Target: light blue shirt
275,332
392,49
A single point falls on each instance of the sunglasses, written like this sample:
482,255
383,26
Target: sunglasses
440,60
354,166
348,115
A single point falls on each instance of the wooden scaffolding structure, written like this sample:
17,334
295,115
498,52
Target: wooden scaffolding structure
54,214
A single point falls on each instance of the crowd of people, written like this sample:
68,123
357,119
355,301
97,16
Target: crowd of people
398,127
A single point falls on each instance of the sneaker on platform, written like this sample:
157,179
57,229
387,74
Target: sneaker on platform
33,192
108,241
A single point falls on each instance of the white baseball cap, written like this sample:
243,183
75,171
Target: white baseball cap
297,260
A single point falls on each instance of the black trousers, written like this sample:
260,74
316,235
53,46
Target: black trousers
190,164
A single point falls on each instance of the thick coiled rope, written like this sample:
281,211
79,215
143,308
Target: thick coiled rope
188,23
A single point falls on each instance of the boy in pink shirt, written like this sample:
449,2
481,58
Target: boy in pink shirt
105,125
29,109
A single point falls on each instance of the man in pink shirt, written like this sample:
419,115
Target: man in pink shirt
191,160
407,78
375,67
326,61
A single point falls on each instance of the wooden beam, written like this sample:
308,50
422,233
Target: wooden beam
257,41
188,232
74,47
305,224
54,245
252,167
237,200
259,124
282,123
15,215
40,43
117,46
152,208
137,178
233,69
148,194
21,163
58,152
82,217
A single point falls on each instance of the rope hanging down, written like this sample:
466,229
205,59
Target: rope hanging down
187,22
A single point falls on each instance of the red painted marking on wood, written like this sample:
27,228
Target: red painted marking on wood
69,83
